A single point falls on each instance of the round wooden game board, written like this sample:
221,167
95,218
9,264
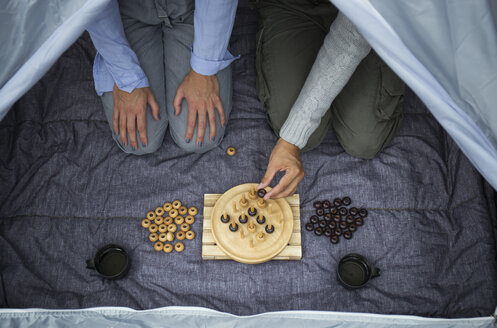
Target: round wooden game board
242,245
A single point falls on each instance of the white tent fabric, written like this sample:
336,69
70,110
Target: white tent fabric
464,108
201,317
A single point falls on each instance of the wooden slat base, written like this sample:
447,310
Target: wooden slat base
210,251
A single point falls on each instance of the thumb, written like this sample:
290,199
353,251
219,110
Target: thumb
268,177
154,106
177,101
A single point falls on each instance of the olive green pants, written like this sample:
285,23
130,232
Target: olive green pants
367,112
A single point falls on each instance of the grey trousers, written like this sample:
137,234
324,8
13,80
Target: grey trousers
161,34
367,112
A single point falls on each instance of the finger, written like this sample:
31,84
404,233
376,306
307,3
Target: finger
190,125
281,186
154,106
178,98
122,129
212,124
220,109
268,176
142,128
115,121
290,189
131,124
201,127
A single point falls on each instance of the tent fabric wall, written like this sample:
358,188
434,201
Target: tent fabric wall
33,35
202,317
443,90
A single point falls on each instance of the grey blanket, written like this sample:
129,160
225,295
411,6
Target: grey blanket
66,190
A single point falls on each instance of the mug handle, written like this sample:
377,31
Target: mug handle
90,264
375,272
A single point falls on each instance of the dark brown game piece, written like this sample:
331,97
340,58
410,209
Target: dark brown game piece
309,226
363,212
328,232
317,204
318,231
269,230
326,204
233,227
261,219
328,216
346,201
252,211
225,218
319,211
347,235
323,223
353,211
359,222
342,211
314,219
337,202
349,219
343,224
352,227
261,193
243,218
338,231
334,211
334,239
332,224
337,218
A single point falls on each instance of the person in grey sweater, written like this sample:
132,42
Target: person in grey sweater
346,84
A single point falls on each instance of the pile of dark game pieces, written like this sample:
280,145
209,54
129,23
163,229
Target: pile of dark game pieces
334,220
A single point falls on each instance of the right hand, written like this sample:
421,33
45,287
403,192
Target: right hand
130,111
284,157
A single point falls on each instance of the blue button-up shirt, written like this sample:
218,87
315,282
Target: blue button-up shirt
116,62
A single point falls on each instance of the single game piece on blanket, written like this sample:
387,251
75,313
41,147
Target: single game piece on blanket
249,229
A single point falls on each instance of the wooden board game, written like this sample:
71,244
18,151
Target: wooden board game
232,230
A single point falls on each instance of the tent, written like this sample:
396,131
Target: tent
445,51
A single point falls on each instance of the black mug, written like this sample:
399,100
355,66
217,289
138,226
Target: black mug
111,262
354,271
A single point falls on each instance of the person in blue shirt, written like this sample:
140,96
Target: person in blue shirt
163,63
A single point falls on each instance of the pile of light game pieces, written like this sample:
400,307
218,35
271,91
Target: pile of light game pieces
170,224
336,220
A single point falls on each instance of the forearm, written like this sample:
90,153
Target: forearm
342,51
213,23
115,61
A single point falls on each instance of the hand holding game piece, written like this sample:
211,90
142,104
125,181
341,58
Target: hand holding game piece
284,157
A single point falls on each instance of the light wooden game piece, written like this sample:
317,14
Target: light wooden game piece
146,223
192,211
243,201
176,204
183,210
153,237
252,194
190,235
234,208
153,227
170,236
162,228
151,215
168,248
251,227
261,203
179,247
158,246
190,219
185,227
163,237
172,228
167,206
173,213
231,151
159,211
168,220
159,220
260,236
180,235
179,220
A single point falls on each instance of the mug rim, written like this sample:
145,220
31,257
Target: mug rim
358,258
104,251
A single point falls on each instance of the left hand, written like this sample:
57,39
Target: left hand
202,96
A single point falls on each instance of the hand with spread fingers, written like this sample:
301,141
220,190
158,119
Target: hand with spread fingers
202,96
284,157
130,113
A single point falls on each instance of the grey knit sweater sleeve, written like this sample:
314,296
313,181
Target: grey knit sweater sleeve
342,51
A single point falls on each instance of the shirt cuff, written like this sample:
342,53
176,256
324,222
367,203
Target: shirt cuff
297,131
211,67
